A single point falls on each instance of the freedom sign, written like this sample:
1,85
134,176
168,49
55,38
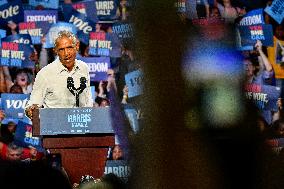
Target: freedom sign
263,96
50,16
14,104
276,10
248,35
35,29
98,67
254,17
12,11
54,30
53,4
134,82
23,136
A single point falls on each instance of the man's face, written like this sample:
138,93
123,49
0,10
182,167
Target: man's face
66,52
249,68
13,155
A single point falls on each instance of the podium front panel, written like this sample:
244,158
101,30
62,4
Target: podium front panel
62,121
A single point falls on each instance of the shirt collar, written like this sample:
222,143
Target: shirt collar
61,68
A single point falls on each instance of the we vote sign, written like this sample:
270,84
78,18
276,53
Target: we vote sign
12,11
14,104
100,44
134,82
16,55
276,10
263,96
35,29
50,16
98,67
54,30
24,138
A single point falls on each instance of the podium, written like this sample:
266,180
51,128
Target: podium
81,135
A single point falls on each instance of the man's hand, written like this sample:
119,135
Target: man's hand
29,110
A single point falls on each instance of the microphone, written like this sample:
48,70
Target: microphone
79,90
70,85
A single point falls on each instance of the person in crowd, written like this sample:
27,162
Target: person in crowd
2,116
116,153
8,132
10,152
258,68
202,8
114,181
229,12
23,79
50,87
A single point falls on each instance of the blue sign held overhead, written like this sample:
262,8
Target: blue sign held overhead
254,17
134,82
50,16
12,11
276,10
53,4
54,30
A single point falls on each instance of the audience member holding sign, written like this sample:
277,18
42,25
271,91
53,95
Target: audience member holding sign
50,87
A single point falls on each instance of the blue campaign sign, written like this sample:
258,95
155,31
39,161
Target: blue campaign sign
35,29
19,38
131,114
118,167
98,67
14,104
12,11
83,25
263,96
53,4
124,30
2,35
54,30
106,9
16,55
249,35
87,8
50,16
2,2
254,17
104,44
276,10
23,136
134,81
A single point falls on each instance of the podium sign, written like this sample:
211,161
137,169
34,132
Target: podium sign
58,121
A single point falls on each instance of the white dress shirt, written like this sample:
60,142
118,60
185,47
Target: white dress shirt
50,86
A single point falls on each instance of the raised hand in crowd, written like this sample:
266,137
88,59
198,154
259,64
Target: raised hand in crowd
111,80
125,95
13,26
263,58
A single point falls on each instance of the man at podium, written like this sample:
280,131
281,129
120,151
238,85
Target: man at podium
64,83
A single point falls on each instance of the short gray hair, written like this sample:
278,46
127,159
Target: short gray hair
67,34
